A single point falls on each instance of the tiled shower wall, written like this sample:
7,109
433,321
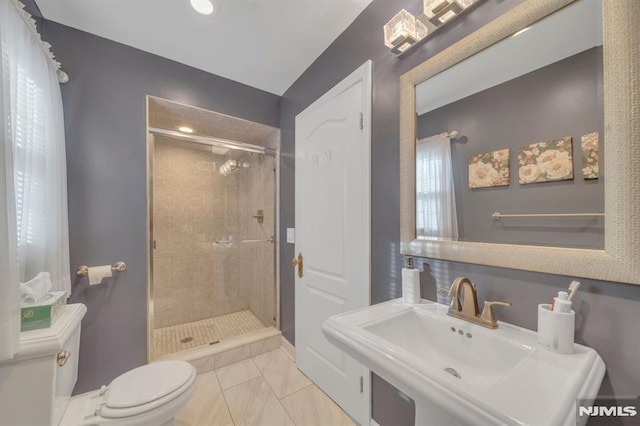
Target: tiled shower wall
193,205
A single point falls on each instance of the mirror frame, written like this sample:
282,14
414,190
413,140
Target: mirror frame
620,259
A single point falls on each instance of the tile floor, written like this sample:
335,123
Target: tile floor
168,340
265,390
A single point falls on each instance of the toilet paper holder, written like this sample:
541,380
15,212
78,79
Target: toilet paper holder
83,270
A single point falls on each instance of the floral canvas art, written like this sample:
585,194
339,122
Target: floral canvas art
546,161
590,156
489,169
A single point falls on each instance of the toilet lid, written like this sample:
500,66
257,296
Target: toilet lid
148,383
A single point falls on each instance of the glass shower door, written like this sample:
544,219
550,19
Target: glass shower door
214,254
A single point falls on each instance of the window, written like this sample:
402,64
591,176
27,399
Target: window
436,215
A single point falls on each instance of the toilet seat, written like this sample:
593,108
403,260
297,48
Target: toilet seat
146,388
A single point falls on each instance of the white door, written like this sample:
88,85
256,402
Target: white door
333,216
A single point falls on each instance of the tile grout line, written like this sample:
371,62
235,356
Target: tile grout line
270,389
312,383
241,383
226,403
295,366
331,401
273,391
266,381
299,390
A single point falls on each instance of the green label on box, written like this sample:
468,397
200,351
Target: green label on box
36,316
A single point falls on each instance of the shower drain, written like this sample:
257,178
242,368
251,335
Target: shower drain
186,339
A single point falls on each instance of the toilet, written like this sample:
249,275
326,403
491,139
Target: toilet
36,386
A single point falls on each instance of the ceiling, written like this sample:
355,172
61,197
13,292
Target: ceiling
265,44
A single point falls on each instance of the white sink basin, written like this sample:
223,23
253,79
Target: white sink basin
459,373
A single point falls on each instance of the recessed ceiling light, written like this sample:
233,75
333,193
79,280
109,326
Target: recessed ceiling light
185,129
202,6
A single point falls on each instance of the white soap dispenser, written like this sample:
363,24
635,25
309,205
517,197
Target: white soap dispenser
410,283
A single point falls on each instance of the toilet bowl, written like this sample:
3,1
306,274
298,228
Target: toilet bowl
150,395
36,385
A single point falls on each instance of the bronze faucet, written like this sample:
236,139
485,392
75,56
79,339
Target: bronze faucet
468,310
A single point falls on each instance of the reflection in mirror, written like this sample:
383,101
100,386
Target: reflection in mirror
528,113
436,215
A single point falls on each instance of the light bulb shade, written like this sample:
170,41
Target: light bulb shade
440,11
403,31
204,7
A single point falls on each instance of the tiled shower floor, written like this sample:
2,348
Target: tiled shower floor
169,340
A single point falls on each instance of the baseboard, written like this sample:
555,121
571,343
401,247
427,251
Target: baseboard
288,349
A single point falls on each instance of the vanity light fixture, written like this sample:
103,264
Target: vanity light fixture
405,31
204,7
440,11
185,129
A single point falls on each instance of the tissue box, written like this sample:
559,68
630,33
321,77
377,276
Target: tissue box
44,312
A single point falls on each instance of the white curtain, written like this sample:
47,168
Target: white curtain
436,214
34,227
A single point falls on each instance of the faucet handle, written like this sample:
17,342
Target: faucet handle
487,312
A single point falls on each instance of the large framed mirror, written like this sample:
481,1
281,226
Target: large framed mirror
479,121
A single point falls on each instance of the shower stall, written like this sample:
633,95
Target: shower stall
213,228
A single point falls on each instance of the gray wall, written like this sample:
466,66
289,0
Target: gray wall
516,113
608,312
105,124
32,8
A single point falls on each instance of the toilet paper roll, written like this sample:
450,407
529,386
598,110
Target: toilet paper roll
97,273
411,285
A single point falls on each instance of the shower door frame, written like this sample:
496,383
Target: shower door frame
211,141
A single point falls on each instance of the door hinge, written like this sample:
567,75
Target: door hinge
361,121
361,384
154,244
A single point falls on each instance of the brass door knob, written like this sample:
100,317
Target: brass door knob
298,262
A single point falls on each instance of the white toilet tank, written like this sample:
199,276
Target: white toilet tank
35,386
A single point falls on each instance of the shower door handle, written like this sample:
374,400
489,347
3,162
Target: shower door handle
298,261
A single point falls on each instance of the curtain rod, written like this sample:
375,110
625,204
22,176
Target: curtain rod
63,77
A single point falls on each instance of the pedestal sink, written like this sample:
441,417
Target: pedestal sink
459,373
